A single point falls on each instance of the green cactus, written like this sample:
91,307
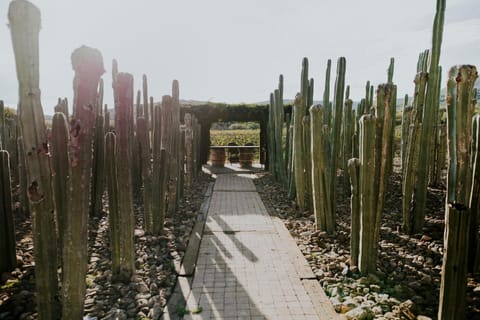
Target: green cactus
146,170
146,113
159,174
324,220
348,136
462,172
98,175
7,228
88,66
123,91
279,120
2,125
114,219
354,171
474,255
368,197
300,106
189,138
308,161
429,116
61,173
411,222
24,21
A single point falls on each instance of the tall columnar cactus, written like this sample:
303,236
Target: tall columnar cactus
98,175
114,219
62,106
146,170
61,172
429,117
123,91
354,171
348,136
2,124
474,251
406,120
24,21
88,66
325,149
146,111
460,184
436,148
159,172
189,134
324,220
276,164
7,228
369,179
411,222
300,106
308,162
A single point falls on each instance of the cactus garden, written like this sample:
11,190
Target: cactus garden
101,205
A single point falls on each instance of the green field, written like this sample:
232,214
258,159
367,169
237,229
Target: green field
240,137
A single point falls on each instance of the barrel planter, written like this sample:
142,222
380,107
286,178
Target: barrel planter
246,157
217,157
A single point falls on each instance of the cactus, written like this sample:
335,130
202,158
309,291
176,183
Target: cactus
159,174
367,180
406,120
410,220
300,106
354,171
98,175
62,106
146,113
278,120
24,20
474,255
123,91
324,220
460,184
88,66
348,136
146,171
308,163
114,218
429,117
189,138
7,228
2,125
61,172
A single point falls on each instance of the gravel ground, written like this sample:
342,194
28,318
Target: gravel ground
407,282
148,290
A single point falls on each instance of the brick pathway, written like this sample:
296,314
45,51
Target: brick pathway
245,268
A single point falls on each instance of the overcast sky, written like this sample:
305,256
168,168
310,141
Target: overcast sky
233,51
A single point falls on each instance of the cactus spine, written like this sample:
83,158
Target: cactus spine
460,183
24,20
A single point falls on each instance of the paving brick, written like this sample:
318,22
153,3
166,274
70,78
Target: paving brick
244,268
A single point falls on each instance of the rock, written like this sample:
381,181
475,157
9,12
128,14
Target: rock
142,287
360,313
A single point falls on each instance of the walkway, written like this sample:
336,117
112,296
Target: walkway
248,265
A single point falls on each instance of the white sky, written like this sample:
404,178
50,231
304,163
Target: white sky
233,51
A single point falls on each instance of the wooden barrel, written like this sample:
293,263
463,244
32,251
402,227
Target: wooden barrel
246,157
217,157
